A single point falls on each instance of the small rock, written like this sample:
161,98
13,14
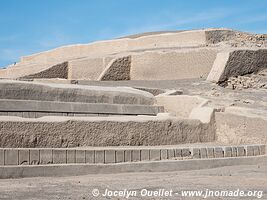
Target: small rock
247,101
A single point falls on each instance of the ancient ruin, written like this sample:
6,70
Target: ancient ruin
125,105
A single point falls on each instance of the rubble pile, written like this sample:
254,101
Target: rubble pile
255,81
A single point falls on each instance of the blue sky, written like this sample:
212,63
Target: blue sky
30,26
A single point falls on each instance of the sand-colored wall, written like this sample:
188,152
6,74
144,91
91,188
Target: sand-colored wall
87,68
241,126
236,63
25,70
151,65
186,38
73,93
153,56
170,65
147,65
101,131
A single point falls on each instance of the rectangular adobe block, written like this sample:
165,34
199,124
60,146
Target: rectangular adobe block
41,114
110,156
256,150
203,153
103,115
99,156
32,114
2,157
4,114
171,153
241,151
250,150
11,157
71,156
210,152
262,149
234,151
154,154
46,156
195,152
128,155
144,154
90,156
80,156
119,156
163,154
59,156
34,157
24,156
178,153
25,114
218,152
18,114
136,155
227,151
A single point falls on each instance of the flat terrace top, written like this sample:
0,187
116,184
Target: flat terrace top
133,36
138,35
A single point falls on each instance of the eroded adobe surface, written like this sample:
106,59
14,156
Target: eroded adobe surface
151,56
83,95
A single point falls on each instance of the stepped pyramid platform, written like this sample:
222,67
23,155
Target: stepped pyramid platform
206,53
138,103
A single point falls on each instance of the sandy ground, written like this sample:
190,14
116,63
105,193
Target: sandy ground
80,187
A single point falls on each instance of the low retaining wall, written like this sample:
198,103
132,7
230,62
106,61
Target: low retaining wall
31,106
102,131
36,156
151,166
73,93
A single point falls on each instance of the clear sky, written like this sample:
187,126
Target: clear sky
30,26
